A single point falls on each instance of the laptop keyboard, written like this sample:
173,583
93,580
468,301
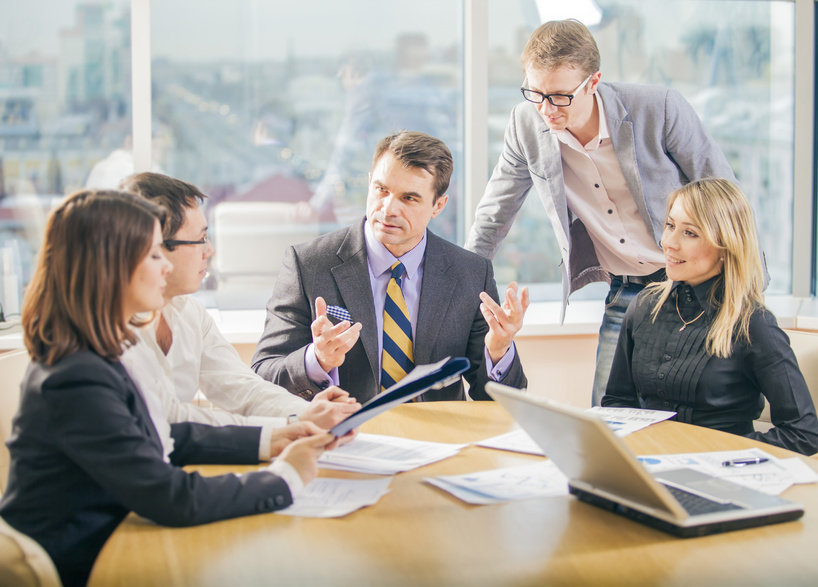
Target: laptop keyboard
696,505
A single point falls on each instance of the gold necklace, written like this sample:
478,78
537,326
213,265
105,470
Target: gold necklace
682,319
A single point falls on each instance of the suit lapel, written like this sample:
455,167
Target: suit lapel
436,293
352,280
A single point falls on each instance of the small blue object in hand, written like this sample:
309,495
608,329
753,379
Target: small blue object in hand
339,313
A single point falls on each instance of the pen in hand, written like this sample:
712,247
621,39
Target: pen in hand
744,462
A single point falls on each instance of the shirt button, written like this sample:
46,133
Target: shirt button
667,357
661,394
667,404
661,376
622,240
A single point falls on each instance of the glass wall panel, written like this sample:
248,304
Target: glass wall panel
65,101
732,60
274,108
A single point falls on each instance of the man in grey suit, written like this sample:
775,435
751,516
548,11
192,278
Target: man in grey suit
603,159
325,320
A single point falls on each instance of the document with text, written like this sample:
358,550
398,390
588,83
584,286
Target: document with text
325,497
541,479
772,476
386,455
622,421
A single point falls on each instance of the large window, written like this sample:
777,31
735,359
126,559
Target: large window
65,95
274,109
732,60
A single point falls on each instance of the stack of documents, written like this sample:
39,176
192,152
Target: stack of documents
333,498
498,485
386,455
772,476
622,421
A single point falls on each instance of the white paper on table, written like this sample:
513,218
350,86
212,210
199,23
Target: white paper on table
624,421
515,441
325,497
541,479
386,455
773,477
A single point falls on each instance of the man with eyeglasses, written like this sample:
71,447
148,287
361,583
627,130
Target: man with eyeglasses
182,350
602,157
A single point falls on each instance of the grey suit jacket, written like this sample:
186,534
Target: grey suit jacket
334,266
660,144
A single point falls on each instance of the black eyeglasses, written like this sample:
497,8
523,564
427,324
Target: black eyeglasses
558,100
170,244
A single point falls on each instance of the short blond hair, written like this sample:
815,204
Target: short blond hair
723,213
561,43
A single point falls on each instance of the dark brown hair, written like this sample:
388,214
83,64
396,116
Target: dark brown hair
417,149
174,195
93,243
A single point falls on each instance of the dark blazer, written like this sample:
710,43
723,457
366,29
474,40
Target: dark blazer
84,453
334,266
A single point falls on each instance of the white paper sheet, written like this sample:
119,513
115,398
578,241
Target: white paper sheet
325,497
541,479
386,455
624,421
773,477
515,441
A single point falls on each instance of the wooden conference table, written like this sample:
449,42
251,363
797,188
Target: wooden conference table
419,535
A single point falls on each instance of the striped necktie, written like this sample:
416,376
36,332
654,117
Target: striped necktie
398,358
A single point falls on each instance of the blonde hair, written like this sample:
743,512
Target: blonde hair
722,212
93,243
561,43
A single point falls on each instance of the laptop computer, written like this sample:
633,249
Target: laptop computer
602,471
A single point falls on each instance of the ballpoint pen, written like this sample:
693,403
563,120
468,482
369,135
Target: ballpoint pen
744,462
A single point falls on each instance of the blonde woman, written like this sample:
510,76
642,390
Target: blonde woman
702,343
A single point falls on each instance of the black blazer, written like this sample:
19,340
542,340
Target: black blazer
85,453
334,266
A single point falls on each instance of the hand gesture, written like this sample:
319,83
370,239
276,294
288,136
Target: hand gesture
331,342
282,437
303,454
329,407
504,321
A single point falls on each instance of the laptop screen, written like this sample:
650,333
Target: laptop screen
584,448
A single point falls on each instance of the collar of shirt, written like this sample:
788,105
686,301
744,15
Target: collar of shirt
702,292
565,136
380,259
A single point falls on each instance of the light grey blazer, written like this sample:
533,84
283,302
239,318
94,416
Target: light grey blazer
334,266
660,144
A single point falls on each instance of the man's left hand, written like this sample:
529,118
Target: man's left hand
504,321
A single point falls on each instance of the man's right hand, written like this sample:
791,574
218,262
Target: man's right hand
331,342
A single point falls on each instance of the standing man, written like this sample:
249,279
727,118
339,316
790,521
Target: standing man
359,307
603,158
